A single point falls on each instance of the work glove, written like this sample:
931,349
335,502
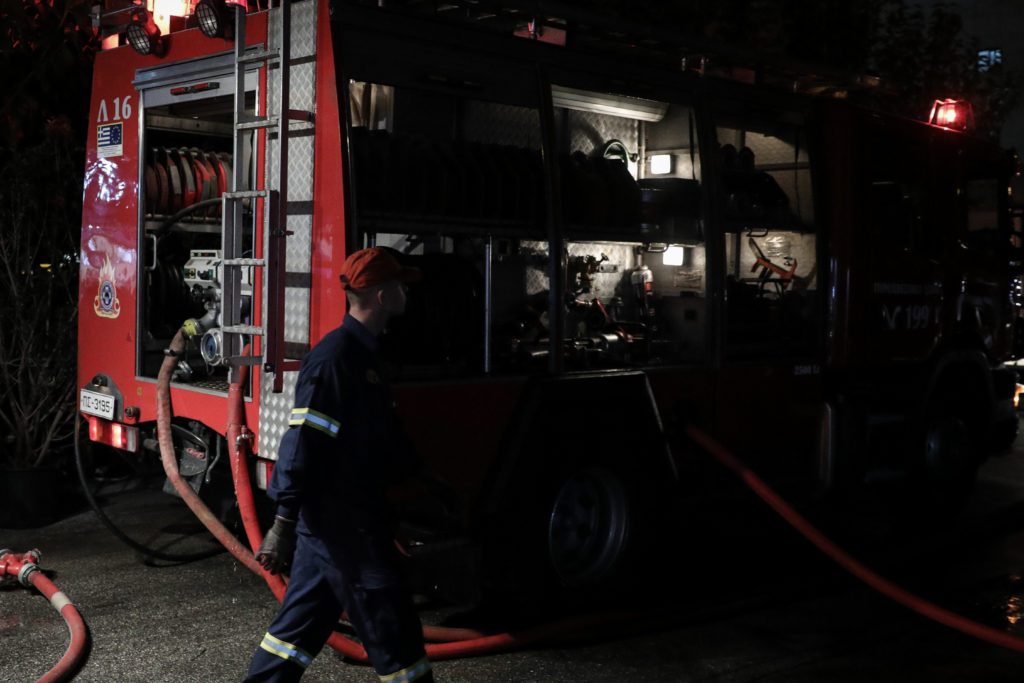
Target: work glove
278,547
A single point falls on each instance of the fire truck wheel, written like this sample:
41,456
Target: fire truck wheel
950,459
580,533
589,526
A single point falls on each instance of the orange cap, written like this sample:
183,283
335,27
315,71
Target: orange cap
374,266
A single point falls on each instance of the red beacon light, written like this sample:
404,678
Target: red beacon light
955,114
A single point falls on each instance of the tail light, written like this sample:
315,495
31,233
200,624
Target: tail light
114,434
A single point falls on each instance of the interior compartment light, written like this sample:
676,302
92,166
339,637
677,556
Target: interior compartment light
673,256
144,35
614,105
214,18
955,114
661,164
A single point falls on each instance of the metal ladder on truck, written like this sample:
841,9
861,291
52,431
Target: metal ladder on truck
234,329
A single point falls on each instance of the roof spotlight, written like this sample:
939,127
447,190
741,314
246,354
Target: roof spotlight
215,19
144,35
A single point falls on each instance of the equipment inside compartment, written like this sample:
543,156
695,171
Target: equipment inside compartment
187,165
457,187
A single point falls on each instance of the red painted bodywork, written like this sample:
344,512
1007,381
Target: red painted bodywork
767,410
110,229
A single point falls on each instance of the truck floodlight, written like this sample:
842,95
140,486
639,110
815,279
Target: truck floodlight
214,18
661,164
144,35
674,255
955,114
637,108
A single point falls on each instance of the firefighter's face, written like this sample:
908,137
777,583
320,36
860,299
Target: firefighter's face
392,298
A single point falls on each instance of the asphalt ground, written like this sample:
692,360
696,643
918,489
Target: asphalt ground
743,599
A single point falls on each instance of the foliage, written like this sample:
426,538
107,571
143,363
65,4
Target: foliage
39,275
920,56
46,51
924,57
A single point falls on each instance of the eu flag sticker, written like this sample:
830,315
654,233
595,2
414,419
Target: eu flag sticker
108,140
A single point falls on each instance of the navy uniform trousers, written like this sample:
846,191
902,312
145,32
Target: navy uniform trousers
363,579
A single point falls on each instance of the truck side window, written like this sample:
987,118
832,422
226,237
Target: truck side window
767,205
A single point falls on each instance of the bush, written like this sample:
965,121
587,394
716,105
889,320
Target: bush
39,278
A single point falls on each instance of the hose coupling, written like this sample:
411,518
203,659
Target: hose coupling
192,328
26,572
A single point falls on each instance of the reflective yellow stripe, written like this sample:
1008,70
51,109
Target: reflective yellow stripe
409,673
285,650
315,419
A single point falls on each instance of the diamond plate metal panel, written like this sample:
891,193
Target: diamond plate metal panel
769,149
536,276
501,124
275,408
607,285
274,412
296,308
589,130
303,29
300,169
299,249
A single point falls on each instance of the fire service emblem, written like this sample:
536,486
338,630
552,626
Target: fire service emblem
106,304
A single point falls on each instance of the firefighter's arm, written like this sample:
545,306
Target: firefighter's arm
312,435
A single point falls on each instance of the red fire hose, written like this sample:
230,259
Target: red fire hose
26,568
847,561
465,642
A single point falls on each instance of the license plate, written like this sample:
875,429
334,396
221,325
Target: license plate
97,404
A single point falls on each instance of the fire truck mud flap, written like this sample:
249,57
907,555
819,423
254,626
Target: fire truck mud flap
577,499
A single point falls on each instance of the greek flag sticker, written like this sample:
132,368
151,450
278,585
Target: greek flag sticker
108,140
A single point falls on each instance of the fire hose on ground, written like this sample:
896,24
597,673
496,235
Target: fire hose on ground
449,643
26,568
848,562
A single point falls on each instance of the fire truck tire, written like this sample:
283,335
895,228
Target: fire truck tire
589,526
951,454
582,532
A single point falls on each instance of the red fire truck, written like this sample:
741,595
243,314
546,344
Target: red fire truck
616,236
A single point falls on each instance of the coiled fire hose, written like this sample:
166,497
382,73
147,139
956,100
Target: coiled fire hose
848,562
26,568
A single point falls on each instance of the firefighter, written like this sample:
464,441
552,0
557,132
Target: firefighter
341,450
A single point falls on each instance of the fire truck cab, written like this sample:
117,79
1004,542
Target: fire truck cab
615,243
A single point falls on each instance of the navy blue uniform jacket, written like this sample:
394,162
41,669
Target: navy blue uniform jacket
344,443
